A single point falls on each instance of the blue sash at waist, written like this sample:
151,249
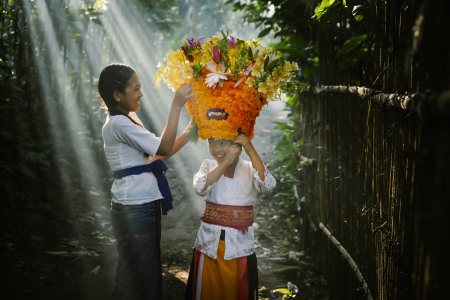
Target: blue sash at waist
158,168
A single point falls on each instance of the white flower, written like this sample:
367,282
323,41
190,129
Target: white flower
259,50
274,55
217,74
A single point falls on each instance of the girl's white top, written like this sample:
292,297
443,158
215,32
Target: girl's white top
127,145
240,190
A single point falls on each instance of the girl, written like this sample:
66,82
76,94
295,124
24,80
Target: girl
224,261
140,188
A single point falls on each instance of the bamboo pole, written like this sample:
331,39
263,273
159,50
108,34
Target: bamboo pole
348,258
407,101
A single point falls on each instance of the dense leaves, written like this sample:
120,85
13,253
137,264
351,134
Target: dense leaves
297,24
291,27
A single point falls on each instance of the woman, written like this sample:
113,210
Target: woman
140,189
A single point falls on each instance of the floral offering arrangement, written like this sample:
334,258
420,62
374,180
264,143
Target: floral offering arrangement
232,80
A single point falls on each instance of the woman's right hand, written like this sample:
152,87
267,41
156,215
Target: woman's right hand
182,95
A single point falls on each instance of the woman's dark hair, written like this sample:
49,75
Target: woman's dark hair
114,77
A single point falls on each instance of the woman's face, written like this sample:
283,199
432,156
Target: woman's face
218,148
129,100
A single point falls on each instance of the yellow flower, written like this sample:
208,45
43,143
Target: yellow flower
256,70
209,44
273,81
250,81
180,66
263,87
232,65
260,60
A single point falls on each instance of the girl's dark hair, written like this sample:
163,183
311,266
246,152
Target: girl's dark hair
114,77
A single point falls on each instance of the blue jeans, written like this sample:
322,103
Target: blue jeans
137,229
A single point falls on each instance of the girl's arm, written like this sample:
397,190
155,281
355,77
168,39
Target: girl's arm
257,163
183,94
214,175
179,143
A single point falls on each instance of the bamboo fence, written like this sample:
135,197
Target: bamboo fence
381,153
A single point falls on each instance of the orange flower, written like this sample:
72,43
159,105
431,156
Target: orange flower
225,112
230,100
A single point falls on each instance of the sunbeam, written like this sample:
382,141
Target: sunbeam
116,31
62,105
127,37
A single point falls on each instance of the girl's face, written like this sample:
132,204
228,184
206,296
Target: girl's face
129,100
218,148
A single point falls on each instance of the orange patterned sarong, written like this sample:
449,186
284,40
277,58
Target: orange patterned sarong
224,279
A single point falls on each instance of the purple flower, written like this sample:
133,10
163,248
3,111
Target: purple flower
216,114
232,40
191,42
216,54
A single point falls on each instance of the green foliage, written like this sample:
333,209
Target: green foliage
198,70
326,7
192,133
357,23
25,157
298,40
292,30
286,163
296,32
352,51
351,44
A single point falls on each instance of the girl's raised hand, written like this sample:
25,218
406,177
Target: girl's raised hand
233,151
257,163
245,142
183,94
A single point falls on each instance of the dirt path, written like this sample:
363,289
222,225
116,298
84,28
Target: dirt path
69,252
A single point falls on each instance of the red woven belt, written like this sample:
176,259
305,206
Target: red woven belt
238,217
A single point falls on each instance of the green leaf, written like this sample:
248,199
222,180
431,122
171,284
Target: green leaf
264,32
97,21
359,17
272,65
351,44
350,60
323,7
266,63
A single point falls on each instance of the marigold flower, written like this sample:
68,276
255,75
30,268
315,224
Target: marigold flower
246,85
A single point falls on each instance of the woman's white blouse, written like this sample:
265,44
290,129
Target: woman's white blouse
127,145
240,190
